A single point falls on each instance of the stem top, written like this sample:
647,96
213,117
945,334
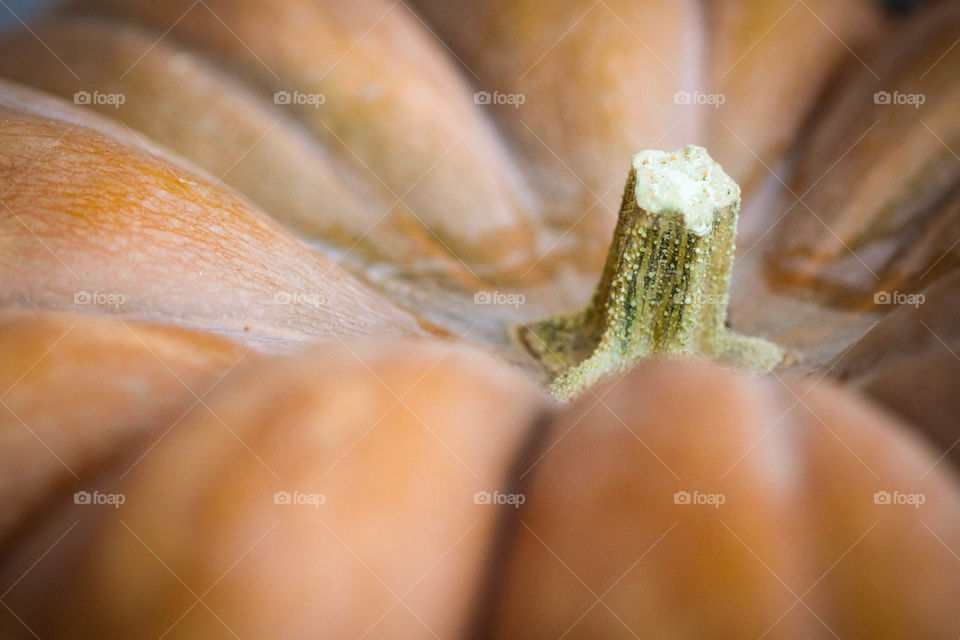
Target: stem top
687,181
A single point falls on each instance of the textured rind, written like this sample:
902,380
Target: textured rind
90,211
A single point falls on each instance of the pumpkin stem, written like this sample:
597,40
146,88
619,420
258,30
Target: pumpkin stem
664,286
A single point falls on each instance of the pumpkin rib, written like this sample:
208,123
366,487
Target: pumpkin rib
561,60
877,192
262,152
601,502
891,363
671,428
143,374
771,83
483,179
304,415
76,229
93,43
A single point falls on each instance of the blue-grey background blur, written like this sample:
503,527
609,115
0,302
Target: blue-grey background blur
24,8
20,8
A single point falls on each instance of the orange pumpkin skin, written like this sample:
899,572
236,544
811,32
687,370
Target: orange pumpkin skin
340,227
360,425
356,423
398,189
542,230
389,173
115,381
80,199
798,548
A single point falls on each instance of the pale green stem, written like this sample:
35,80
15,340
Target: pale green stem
664,286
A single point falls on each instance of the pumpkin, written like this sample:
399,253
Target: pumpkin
332,494
284,288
